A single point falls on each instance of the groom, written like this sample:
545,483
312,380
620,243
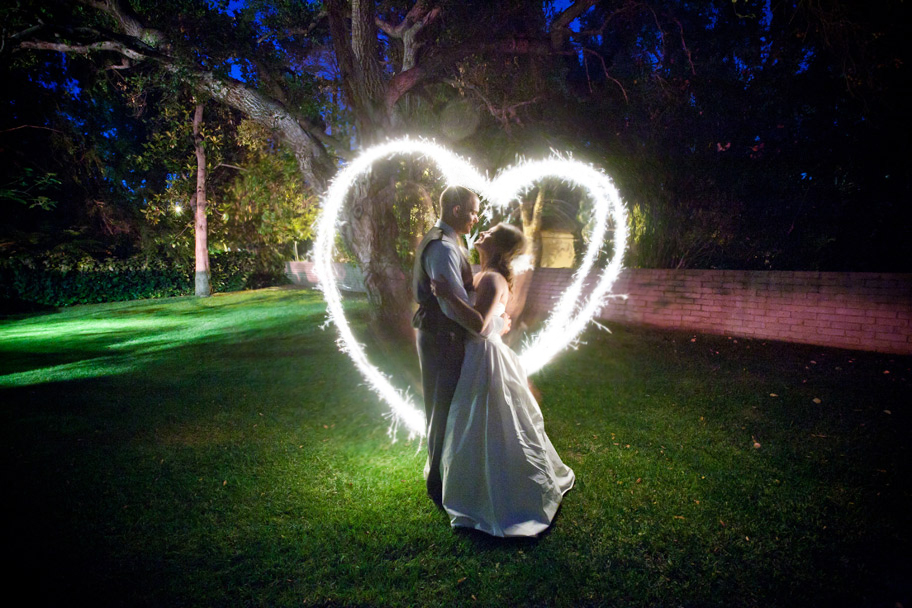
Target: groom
441,256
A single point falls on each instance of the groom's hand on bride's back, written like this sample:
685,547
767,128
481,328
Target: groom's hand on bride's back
508,323
441,289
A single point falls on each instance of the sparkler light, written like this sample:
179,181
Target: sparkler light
569,316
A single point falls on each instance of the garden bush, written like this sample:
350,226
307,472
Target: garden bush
64,280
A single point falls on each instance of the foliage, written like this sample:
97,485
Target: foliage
63,280
739,139
265,206
30,190
62,140
168,149
256,199
742,134
413,196
223,452
123,138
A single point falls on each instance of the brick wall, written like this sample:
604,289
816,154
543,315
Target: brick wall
869,311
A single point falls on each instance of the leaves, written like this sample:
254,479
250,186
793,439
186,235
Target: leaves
63,280
265,204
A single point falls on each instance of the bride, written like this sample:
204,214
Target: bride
501,475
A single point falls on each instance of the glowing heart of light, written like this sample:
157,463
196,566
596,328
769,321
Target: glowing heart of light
569,316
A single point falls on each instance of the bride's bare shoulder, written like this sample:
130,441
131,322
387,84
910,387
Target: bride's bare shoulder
491,279
492,286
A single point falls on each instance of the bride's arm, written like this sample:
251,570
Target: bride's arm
491,288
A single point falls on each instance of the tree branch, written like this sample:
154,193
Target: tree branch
306,142
19,35
226,165
84,49
127,23
406,80
407,31
561,24
661,34
686,50
294,31
401,84
607,75
30,127
504,115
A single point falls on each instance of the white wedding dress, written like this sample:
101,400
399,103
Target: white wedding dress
501,475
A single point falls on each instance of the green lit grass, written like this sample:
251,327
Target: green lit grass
223,452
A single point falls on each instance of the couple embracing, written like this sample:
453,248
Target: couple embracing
490,464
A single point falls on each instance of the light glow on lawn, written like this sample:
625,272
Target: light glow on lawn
569,315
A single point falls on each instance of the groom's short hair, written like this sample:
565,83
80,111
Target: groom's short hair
454,196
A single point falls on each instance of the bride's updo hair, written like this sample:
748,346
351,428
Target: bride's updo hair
509,242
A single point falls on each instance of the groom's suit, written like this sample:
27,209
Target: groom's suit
441,340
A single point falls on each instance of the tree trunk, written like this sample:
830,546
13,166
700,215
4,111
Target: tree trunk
532,220
203,286
385,274
370,225
370,230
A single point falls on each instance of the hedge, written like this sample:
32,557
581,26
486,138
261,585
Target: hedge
61,281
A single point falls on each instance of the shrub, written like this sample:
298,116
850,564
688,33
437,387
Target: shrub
63,280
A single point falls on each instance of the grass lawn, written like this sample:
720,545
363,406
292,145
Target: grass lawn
223,452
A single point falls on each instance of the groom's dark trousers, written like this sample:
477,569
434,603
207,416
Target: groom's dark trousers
441,349
441,357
